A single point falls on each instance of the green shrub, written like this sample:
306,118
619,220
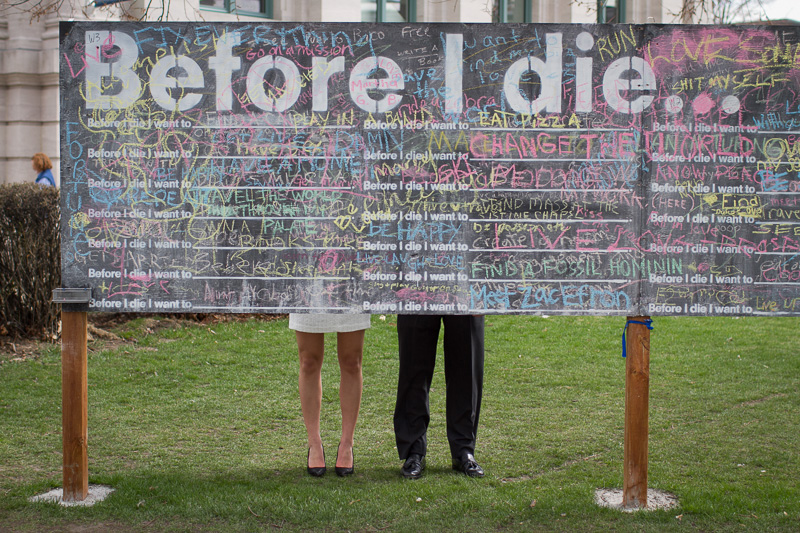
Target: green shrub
30,259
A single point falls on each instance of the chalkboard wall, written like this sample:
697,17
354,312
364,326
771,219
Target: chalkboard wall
431,168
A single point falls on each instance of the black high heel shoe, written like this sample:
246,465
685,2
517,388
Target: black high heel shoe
317,471
343,471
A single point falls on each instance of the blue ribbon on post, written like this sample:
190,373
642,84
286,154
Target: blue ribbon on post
647,323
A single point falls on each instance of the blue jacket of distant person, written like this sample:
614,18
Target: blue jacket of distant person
45,177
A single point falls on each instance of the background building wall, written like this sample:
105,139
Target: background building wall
28,93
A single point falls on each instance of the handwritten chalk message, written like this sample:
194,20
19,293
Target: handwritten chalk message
431,168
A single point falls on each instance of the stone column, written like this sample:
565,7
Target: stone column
19,86
28,93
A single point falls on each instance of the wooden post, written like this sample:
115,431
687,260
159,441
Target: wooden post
637,402
74,405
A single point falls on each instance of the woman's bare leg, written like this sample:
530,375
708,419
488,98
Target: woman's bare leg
350,347
311,347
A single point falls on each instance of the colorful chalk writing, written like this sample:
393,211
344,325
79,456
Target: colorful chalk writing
431,168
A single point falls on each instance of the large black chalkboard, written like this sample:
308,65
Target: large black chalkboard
432,168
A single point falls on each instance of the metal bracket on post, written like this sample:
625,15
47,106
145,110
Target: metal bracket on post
72,296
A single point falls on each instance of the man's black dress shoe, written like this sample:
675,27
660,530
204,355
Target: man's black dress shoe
316,471
413,467
468,465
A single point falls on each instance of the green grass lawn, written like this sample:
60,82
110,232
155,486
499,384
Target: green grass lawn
198,428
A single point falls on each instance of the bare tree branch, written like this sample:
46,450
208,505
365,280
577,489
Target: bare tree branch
706,11
721,11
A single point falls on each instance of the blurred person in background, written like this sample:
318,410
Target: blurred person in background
42,164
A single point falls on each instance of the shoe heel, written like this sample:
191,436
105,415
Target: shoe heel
343,471
316,471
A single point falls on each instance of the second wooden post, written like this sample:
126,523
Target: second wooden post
637,404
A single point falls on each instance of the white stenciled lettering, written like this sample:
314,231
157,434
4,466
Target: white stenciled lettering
177,82
104,274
